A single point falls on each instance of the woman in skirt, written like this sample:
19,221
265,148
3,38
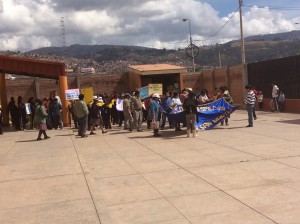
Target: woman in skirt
40,120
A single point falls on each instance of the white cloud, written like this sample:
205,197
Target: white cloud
30,24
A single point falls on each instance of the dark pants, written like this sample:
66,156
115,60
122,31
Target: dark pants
106,120
254,114
1,131
164,117
121,117
82,125
250,114
275,102
56,121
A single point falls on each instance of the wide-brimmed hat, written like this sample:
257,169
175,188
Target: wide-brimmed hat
155,95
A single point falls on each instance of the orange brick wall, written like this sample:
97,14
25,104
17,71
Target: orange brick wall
111,84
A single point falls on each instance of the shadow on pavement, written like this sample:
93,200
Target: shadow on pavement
297,121
30,140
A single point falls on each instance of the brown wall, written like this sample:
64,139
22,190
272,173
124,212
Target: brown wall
110,84
290,105
210,79
135,81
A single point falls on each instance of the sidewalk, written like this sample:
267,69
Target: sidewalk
228,175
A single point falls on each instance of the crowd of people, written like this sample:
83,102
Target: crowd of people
129,110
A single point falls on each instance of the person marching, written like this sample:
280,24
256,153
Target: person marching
190,109
226,95
128,119
40,120
153,113
96,119
81,112
275,93
137,110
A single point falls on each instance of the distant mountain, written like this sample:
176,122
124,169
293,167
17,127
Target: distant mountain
293,35
87,51
258,48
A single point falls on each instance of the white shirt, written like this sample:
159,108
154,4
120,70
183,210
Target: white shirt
275,91
176,101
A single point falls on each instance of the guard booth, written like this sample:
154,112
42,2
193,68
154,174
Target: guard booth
170,76
33,68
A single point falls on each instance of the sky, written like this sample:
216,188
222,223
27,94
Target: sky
30,24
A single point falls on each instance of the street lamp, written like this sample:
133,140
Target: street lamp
220,57
191,42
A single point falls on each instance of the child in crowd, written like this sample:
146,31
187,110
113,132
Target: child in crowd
260,97
281,100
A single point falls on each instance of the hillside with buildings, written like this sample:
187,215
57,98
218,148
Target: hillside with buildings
112,59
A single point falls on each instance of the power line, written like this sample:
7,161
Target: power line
274,7
214,34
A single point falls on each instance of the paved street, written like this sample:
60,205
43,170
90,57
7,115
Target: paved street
228,175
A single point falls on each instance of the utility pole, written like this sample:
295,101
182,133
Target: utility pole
191,42
220,61
244,69
63,32
242,33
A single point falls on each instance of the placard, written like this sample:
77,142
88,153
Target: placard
88,94
72,94
28,108
155,88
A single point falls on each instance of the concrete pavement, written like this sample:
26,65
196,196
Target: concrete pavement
228,175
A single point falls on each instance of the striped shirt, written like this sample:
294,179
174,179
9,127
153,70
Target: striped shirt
250,98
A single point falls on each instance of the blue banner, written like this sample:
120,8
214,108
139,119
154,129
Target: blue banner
208,115
144,92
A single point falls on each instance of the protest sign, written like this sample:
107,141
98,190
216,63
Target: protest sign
88,94
72,94
155,88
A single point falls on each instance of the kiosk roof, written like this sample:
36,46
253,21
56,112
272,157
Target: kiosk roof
154,68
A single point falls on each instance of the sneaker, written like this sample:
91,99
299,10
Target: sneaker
92,133
39,139
249,126
46,137
84,136
139,130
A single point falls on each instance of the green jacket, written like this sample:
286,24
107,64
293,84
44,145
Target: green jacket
40,114
80,109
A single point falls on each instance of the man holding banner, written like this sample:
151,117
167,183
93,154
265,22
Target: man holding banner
190,109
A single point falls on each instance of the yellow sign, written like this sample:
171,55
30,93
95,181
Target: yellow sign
88,94
155,88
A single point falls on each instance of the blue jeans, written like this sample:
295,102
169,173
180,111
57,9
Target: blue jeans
82,125
250,108
164,117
